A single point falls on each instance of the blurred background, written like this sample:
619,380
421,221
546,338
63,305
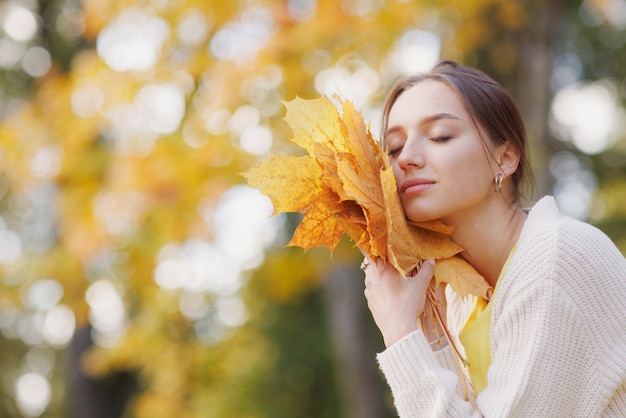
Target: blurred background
140,277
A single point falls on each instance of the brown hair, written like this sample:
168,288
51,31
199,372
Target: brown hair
490,108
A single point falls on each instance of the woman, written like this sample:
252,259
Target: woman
551,341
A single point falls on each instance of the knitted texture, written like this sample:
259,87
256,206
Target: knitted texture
558,333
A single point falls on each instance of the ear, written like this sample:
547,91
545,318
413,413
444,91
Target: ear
507,158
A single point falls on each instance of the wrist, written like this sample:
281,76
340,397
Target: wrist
392,338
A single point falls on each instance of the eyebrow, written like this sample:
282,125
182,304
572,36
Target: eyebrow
436,117
426,121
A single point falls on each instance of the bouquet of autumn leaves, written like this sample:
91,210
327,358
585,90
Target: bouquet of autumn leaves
345,185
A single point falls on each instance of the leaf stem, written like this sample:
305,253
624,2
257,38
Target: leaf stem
433,302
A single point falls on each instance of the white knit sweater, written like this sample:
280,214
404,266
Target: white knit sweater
558,333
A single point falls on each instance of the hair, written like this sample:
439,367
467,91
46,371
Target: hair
491,109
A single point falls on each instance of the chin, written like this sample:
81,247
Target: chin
423,219
421,216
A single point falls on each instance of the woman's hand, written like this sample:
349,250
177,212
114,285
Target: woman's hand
395,302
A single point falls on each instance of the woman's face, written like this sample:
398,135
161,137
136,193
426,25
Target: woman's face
439,161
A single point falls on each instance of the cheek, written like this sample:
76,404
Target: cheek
467,168
396,173
472,174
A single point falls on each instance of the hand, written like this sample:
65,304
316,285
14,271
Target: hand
394,301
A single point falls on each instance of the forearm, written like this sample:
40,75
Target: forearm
423,382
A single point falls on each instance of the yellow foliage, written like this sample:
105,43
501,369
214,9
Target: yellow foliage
341,185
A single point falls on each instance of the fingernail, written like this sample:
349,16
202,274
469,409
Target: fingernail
431,261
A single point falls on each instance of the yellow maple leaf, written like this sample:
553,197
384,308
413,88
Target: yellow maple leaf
314,121
301,176
435,225
327,159
463,275
318,228
345,185
359,170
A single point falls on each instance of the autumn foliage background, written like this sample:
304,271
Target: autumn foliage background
140,277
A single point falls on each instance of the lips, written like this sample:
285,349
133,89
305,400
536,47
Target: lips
415,185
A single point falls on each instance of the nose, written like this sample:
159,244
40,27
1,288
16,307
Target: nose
412,154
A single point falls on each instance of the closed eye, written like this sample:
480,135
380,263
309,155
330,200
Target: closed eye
394,151
441,138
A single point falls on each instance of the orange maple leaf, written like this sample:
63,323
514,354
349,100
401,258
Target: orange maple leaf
345,185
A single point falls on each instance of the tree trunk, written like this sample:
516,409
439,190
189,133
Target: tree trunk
358,378
96,398
534,94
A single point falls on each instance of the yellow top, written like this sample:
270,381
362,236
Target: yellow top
475,336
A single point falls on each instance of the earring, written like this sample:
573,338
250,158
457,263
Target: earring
498,180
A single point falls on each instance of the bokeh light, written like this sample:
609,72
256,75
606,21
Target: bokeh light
210,274
59,326
574,184
355,80
240,40
19,22
32,394
87,100
415,51
132,41
107,312
37,61
193,27
588,115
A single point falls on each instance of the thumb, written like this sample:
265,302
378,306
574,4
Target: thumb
425,272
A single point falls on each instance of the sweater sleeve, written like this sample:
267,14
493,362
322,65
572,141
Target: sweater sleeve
423,382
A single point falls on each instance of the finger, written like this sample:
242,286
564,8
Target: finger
425,271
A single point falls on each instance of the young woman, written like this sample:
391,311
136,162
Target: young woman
551,341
